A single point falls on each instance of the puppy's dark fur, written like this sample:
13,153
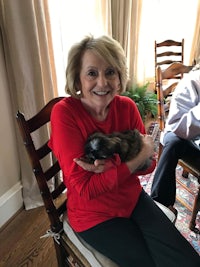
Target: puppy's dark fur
103,146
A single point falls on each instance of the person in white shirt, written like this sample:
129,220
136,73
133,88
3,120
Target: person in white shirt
181,137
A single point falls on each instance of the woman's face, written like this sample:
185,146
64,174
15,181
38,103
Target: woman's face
99,82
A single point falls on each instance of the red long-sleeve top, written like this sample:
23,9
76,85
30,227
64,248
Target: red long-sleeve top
94,198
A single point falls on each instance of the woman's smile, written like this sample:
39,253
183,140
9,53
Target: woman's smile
100,93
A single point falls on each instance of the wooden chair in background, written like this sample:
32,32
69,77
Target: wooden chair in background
166,53
189,165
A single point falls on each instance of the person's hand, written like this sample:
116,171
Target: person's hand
146,152
148,146
98,166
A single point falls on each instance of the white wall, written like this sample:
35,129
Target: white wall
10,188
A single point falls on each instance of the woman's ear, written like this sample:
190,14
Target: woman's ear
119,88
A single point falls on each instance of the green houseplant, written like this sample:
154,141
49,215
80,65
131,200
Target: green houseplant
145,100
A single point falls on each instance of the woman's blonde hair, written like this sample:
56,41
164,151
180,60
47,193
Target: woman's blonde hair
105,47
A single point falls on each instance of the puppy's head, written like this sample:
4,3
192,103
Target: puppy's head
100,146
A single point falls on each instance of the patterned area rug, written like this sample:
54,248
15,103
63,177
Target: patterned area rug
183,196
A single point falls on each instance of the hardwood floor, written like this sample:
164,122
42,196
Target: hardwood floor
20,242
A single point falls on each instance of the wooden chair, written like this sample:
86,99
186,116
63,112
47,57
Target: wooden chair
166,53
70,249
190,165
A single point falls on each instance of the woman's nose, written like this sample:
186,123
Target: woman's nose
102,80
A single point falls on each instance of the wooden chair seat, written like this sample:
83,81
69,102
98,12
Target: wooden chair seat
94,257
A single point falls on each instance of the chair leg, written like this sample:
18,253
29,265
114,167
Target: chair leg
61,255
196,208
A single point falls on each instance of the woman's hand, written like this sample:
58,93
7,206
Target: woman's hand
99,166
146,152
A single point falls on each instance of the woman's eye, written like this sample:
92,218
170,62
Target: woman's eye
92,73
110,72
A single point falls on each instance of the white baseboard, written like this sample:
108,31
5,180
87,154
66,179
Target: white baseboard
10,203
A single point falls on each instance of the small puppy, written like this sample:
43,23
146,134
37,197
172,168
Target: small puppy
103,146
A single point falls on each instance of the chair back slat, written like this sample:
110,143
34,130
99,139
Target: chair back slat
52,171
170,43
169,53
166,62
43,150
43,116
174,70
58,190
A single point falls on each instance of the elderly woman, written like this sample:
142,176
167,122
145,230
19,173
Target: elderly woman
107,206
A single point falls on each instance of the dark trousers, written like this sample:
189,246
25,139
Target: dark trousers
164,184
147,238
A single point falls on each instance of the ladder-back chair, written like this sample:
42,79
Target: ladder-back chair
166,53
189,165
70,249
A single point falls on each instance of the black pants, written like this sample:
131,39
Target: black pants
147,238
164,184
